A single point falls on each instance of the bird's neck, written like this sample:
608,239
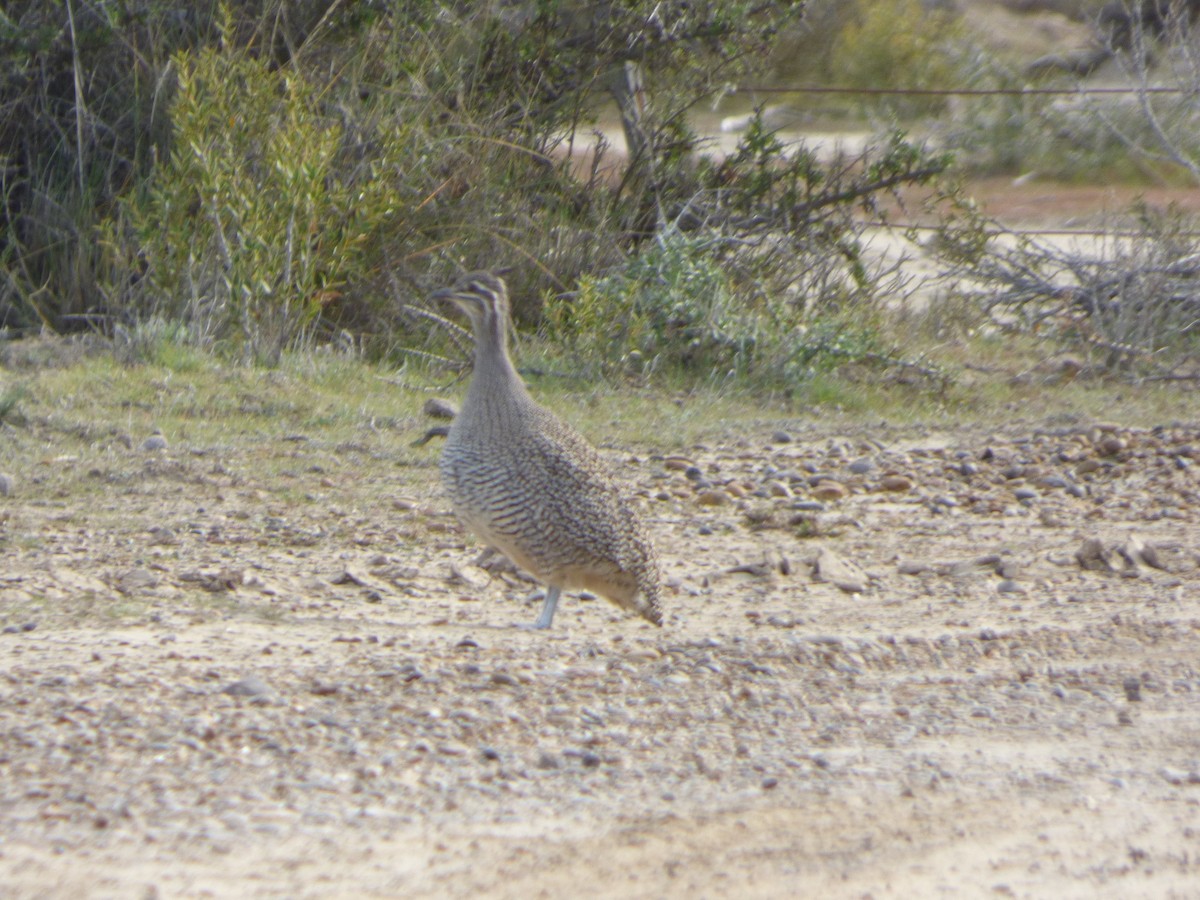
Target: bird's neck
494,373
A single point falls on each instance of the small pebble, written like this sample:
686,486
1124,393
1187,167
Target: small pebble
829,491
896,483
250,686
1133,689
437,408
7,485
154,442
781,437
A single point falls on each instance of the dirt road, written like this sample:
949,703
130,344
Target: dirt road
271,670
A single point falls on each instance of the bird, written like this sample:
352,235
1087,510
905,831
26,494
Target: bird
526,483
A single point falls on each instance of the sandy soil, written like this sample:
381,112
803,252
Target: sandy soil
220,682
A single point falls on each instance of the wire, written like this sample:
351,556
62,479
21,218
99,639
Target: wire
954,92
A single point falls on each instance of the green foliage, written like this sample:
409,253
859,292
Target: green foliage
670,306
10,399
83,99
674,309
899,43
251,228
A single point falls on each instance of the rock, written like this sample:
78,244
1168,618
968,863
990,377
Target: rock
1133,689
829,491
781,437
1128,558
1111,445
437,408
896,483
1137,552
778,489
861,466
135,580
1094,557
839,572
712,498
250,686
7,485
1025,494
1178,777
154,442
678,464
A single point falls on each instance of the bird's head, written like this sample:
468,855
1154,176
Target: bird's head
483,296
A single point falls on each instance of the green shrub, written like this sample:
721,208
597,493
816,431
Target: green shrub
252,227
674,309
899,43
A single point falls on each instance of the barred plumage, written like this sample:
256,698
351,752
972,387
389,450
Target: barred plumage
529,485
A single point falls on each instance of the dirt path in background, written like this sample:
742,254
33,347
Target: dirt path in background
309,691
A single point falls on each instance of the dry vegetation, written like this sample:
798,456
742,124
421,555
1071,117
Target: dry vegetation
932,573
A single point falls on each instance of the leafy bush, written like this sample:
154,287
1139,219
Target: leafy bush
900,43
252,227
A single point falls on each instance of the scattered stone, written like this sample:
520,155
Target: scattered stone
678,464
1133,689
1025,494
135,580
829,491
1126,559
1008,586
896,483
712,498
437,408
250,686
769,784
839,572
861,466
155,442
430,433
7,485
778,489
781,437
1112,445
1178,777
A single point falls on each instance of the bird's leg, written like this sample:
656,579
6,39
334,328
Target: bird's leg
544,620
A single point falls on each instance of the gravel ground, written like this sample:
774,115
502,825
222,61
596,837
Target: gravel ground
896,662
